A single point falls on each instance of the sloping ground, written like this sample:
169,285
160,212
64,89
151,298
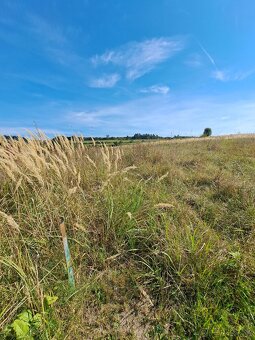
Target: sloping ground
161,237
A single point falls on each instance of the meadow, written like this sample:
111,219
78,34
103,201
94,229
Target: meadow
161,237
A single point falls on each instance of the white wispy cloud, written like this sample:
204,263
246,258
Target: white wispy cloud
49,32
194,60
226,76
47,38
54,41
139,58
220,75
159,89
168,114
106,81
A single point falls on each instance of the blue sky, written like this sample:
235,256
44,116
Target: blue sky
118,67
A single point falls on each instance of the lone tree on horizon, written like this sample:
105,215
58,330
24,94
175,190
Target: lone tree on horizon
207,132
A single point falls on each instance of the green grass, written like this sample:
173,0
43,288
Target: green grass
118,142
180,270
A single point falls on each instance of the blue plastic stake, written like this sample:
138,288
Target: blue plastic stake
67,255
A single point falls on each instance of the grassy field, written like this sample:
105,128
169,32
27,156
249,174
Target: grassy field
118,142
161,237
110,142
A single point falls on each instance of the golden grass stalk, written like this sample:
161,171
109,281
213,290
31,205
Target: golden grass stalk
10,220
163,206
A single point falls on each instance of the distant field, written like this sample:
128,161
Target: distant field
118,142
161,237
109,142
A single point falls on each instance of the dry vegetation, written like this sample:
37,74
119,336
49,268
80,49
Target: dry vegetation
161,236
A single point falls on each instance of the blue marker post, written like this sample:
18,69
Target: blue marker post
67,255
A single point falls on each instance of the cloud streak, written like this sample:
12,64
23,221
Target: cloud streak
159,89
139,58
46,31
208,55
107,81
226,76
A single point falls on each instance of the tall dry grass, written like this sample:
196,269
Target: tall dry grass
161,236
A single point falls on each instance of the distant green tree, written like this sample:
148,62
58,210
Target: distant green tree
207,132
145,136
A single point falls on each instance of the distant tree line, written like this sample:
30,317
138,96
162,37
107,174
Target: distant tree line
15,138
137,136
145,136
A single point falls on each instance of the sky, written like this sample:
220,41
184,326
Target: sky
120,67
